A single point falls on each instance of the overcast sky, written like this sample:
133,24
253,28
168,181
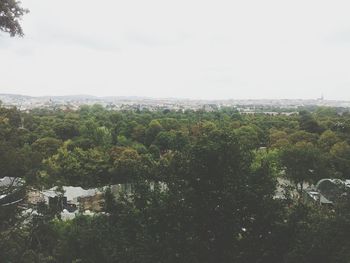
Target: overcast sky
184,48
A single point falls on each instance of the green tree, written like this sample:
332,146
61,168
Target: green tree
303,136
213,205
341,158
276,137
248,136
165,140
47,146
138,133
152,131
103,137
128,166
66,129
78,167
327,139
303,163
308,123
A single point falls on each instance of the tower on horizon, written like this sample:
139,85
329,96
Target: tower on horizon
321,98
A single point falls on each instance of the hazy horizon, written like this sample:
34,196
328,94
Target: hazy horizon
158,49
165,98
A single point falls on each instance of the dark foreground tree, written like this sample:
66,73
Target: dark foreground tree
216,209
10,14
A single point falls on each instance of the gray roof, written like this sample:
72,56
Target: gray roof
10,181
333,189
317,196
71,192
9,185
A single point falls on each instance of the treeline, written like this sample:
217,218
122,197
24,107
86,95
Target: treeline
94,146
220,169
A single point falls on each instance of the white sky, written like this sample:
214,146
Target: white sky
184,48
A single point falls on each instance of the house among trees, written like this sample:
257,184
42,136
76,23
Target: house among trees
327,191
69,196
70,200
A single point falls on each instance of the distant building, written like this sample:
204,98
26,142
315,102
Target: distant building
321,98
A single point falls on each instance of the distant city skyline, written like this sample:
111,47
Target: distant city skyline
321,97
183,49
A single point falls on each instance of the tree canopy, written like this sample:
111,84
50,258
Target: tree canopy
203,185
11,13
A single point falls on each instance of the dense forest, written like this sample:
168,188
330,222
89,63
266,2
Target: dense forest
221,172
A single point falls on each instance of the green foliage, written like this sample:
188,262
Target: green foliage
47,146
308,123
303,136
303,162
269,159
154,127
327,139
341,155
66,129
78,167
202,185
